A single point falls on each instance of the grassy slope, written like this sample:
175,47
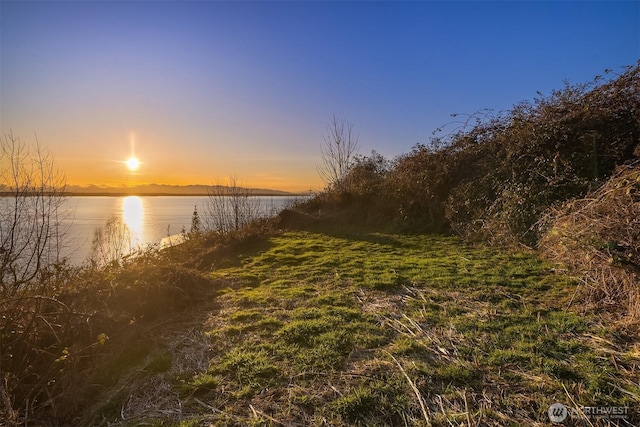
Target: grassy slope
378,329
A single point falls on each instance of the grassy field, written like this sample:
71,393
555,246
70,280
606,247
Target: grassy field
376,329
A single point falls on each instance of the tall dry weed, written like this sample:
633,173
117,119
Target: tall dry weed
598,238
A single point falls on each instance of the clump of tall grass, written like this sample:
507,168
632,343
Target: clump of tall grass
598,238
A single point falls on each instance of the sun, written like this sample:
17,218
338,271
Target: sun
133,163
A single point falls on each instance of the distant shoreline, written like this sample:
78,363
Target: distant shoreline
156,190
122,194
172,190
75,194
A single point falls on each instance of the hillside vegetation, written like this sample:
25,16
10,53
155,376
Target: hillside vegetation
496,173
473,281
503,178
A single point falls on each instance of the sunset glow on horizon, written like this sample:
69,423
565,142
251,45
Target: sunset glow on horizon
179,93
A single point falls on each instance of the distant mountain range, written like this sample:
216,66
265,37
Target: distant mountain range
165,190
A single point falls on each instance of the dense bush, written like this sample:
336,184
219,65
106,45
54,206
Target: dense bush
538,154
496,174
367,175
418,186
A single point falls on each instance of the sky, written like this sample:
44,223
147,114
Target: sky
201,90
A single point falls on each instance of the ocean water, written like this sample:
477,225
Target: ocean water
150,219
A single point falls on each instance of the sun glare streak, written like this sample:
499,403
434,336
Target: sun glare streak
133,216
132,163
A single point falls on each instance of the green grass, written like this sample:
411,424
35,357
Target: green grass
346,329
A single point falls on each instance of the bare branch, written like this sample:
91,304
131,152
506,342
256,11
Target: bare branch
230,206
339,149
31,197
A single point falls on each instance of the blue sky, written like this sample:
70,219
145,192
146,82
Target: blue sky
202,90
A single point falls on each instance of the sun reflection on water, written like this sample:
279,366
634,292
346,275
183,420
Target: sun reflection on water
133,216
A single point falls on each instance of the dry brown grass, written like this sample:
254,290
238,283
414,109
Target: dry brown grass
598,239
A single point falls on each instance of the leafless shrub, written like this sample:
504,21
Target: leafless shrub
230,207
31,213
340,147
31,269
111,243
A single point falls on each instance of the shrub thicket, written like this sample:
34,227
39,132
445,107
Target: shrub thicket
494,176
519,164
